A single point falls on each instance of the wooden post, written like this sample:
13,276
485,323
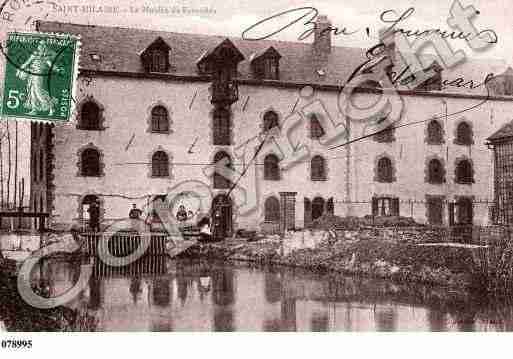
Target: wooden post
22,194
1,177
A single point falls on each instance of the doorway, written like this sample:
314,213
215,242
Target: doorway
222,223
435,207
86,203
317,208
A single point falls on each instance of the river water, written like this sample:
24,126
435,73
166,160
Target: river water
158,294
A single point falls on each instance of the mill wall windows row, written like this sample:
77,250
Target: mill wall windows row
384,171
90,117
90,164
459,211
463,134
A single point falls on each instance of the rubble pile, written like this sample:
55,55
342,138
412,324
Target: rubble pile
330,221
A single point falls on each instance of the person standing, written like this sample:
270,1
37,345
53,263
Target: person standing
94,217
219,231
205,234
181,215
135,213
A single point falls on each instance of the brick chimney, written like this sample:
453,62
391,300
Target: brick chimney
322,37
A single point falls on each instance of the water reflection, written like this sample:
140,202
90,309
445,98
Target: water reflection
272,279
182,285
386,319
319,322
437,320
223,296
95,291
205,296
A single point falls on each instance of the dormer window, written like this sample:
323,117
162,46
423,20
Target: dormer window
155,57
266,65
158,61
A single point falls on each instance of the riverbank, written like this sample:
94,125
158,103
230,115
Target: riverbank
18,316
455,266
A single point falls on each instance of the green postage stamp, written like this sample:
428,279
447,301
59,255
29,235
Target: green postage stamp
40,76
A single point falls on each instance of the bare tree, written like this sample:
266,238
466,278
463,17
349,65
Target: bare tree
9,165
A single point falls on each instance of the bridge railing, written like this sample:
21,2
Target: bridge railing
124,244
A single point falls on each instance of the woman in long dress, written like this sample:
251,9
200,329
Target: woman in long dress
38,66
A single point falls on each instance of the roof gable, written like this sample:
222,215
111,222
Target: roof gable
225,51
158,43
269,52
505,131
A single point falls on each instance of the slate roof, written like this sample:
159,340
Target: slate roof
119,49
504,132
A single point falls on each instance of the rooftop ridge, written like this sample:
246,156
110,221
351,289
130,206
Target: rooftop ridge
191,34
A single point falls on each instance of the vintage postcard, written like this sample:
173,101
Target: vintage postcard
277,166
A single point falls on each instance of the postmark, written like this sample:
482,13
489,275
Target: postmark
40,76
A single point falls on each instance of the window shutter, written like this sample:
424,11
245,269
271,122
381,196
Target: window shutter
330,206
451,213
308,212
374,206
395,207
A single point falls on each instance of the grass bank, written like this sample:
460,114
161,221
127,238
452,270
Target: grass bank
458,266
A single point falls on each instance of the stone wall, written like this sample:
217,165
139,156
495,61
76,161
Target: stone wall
127,103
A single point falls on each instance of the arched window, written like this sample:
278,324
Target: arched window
272,209
385,170
436,172
90,162
435,135
221,161
158,61
317,207
159,119
316,130
221,127
271,167
318,169
270,120
464,172
463,134
90,116
160,164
